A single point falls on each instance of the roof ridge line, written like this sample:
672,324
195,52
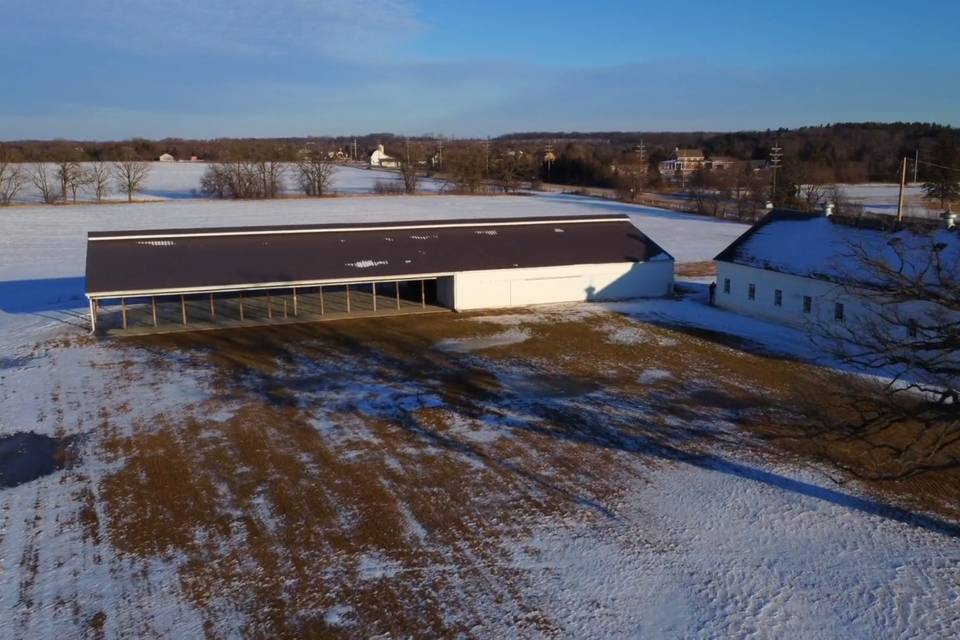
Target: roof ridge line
400,226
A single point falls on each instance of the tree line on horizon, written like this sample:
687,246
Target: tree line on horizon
256,168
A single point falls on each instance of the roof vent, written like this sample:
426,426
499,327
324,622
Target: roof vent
950,218
828,209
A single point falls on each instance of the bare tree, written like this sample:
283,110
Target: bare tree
314,173
130,174
45,181
900,319
243,179
812,196
510,169
98,177
409,169
842,204
943,176
465,168
12,177
69,175
270,176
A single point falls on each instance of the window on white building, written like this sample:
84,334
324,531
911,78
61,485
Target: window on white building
777,298
726,285
807,304
752,292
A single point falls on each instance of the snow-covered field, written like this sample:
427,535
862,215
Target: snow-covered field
883,198
575,471
181,180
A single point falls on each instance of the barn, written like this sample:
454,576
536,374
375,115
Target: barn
187,279
805,269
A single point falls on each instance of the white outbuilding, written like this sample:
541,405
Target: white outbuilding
166,157
798,268
379,158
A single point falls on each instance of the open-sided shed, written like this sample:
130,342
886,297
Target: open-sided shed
203,278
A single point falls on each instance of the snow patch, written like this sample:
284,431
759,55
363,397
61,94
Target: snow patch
466,345
366,264
652,376
341,615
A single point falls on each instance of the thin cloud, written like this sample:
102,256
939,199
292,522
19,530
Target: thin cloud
234,27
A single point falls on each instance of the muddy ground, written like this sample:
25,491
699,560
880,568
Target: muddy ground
358,477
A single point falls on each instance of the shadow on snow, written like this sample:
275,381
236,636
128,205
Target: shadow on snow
583,414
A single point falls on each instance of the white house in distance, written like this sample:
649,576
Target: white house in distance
166,157
379,158
798,268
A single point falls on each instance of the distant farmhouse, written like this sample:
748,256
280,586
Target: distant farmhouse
685,161
166,157
379,158
799,268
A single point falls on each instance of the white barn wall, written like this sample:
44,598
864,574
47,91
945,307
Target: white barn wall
822,293
571,283
860,313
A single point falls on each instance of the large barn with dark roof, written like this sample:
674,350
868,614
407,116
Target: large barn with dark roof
143,281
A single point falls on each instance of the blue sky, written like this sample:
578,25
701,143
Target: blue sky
203,68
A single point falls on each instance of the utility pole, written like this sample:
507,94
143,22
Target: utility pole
903,179
776,158
916,164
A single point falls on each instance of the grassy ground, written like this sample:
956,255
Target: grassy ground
372,467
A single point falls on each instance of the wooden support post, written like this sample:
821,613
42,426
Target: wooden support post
348,298
241,306
903,180
295,310
183,310
321,300
284,307
123,311
213,312
93,316
374,285
269,306
396,288
153,305
423,294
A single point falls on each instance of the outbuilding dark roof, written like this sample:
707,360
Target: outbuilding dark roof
203,259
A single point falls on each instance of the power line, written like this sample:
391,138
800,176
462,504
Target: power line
939,166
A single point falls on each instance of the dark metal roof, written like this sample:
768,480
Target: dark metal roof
178,259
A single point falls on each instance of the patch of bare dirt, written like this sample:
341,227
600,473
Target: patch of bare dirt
696,269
